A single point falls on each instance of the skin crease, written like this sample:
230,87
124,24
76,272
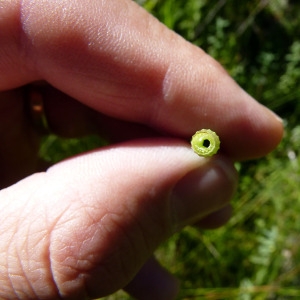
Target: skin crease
88,226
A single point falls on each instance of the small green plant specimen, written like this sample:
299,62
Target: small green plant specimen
205,142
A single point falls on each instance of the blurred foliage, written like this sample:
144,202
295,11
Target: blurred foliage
55,149
257,254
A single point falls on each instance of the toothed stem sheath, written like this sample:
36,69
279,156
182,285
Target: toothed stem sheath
205,142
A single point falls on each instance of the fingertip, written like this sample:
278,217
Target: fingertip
216,219
203,191
253,134
153,282
274,129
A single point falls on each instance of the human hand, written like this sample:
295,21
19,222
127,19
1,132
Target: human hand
87,226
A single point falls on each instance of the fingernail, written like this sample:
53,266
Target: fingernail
280,120
153,282
203,191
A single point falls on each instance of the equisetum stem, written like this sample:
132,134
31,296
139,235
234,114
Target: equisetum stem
205,142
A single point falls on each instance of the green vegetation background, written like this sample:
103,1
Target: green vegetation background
257,255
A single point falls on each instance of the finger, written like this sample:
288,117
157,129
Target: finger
66,117
153,282
122,62
70,118
88,225
216,219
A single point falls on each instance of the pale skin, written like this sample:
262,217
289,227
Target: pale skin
87,226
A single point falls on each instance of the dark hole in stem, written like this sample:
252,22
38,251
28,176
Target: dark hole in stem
206,143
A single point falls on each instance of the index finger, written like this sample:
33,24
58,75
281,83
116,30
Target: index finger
116,58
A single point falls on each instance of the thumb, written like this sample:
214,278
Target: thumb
86,226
